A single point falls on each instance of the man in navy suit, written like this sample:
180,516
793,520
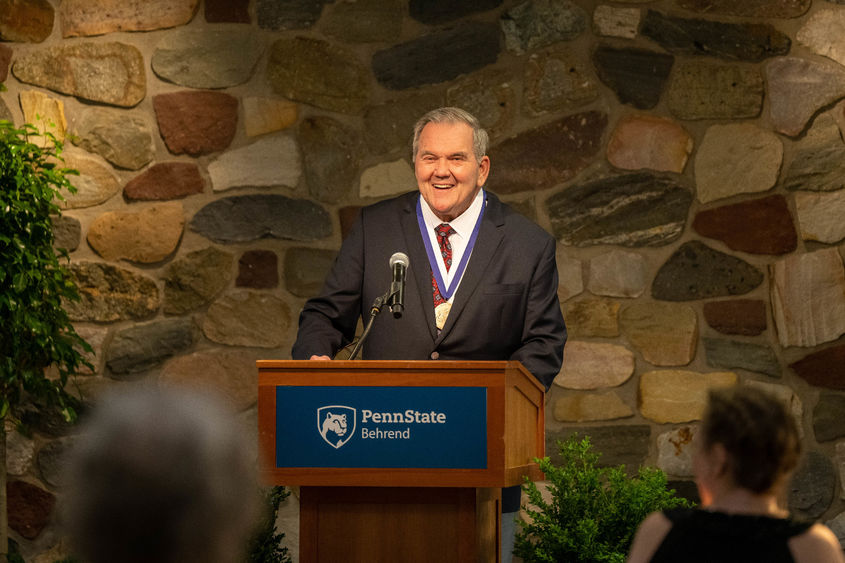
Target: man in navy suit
482,288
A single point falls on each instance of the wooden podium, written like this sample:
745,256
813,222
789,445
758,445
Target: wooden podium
399,460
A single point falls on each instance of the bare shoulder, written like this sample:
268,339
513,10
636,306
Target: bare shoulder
816,545
649,536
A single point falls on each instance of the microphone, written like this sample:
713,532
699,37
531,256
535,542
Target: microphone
399,265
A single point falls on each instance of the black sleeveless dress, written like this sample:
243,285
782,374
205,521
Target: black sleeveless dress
700,536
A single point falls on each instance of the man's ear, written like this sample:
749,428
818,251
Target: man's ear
720,459
483,170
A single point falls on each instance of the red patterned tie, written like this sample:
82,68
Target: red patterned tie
443,232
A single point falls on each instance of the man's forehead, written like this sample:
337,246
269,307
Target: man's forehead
448,136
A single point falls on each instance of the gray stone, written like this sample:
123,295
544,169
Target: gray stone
269,161
637,76
633,210
95,336
748,8
828,422
818,161
570,275
195,279
98,17
389,126
751,42
20,451
141,347
319,73
67,232
305,270
731,354
248,318
736,158
330,154
365,21
459,49
617,445
109,293
251,217
433,12
52,460
123,138
520,167
808,298
824,33
707,90
618,274
797,88
387,178
5,112
556,81
489,96
812,487
216,57
611,21
288,14
674,451
837,524
696,271
111,73
537,23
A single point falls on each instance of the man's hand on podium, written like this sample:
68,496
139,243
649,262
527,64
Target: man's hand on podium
319,358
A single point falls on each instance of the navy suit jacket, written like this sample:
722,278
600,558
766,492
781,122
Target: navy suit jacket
506,307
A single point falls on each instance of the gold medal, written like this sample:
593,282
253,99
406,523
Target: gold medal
441,312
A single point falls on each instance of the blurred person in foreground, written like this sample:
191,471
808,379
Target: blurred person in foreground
161,475
746,449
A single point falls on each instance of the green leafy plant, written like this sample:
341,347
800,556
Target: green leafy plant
39,348
266,544
593,512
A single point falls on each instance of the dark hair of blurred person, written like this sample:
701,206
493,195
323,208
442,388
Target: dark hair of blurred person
745,452
160,475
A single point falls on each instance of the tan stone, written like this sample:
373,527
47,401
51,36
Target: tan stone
647,141
95,184
840,462
736,158
665,333
231,373
95,336
570,276
591,365
590,407
678,395
387,178
824,33
20,450
674,451
266,115
96,17
618,274
820,215
46,113
611,21
808,298
592,318
248,318
147,236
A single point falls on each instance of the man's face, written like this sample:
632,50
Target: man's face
448,174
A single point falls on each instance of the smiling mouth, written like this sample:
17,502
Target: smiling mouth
442,186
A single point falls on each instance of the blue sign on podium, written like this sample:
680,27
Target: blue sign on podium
391,427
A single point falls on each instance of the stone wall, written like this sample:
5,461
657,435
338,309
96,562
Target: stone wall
687,155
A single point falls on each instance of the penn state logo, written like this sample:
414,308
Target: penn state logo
336,424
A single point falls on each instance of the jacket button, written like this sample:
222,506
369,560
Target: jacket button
435,355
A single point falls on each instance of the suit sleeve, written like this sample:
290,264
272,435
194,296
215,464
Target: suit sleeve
328,321
544,332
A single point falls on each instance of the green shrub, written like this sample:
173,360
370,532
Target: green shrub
266,545
594,511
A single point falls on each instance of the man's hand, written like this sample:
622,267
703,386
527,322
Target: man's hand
319,358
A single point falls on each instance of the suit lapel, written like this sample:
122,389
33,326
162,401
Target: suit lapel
488,241
419,260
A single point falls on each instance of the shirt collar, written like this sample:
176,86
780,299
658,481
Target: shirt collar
463,223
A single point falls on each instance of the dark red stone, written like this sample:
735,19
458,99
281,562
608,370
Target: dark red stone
258,269
30,508
227,11
572,143
196,122
348,215
5,60
761,226
736,316
165,180
825,368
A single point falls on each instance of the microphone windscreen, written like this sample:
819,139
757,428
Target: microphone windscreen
400,258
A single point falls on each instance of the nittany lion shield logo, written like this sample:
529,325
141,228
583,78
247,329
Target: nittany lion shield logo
336,424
